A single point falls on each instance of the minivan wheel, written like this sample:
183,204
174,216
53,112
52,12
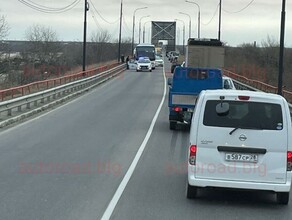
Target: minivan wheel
283,198
172,125
192,191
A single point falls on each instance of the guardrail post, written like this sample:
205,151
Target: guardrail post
35,103
9,112
28,105
19,108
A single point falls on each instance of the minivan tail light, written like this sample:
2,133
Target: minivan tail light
193,153
289,160
244,98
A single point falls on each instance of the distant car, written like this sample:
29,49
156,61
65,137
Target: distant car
132,64
144,64
173,56
228,83
159,61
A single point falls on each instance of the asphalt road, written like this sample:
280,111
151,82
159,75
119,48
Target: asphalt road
68,163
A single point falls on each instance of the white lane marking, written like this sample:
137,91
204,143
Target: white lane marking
110,208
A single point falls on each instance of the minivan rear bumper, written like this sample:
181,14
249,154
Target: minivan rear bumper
276,187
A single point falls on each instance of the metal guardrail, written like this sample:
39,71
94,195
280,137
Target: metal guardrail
27,102
260,86
42,85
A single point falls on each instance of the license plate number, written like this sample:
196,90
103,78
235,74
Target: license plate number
241,157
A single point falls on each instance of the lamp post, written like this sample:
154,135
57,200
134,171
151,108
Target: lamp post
140,26
120,33
220,10
183,34
190,22
281,57
86,8
144,30
199,16
134,25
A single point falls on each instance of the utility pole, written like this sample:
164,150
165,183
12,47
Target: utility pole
281,57
220,10
120,34
86,8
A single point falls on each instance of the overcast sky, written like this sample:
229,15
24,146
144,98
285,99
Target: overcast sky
259,20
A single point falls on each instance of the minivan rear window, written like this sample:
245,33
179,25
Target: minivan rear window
253,115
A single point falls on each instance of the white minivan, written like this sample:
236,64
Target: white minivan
240,139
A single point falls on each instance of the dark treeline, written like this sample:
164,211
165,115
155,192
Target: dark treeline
260,63
22,62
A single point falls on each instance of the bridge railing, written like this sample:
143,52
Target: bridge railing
37,86
36,102
242,82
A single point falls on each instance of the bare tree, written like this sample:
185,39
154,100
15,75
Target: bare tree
4,27
99,50
43,52
101,37
43,44
4,60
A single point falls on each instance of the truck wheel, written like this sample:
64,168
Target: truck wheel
283,198
192,191
172,125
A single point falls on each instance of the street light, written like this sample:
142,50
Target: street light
183,34
120,33
86,8
282,41
199,16
220,10
140,26
134,25
144,30
190,25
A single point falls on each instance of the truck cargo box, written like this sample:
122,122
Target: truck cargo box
206,53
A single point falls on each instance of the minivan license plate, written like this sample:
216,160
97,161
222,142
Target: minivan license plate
241,157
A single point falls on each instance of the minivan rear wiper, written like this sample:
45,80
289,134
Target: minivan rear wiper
253,128
234,129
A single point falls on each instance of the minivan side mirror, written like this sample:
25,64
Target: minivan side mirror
169,81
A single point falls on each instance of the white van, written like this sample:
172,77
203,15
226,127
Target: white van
240,139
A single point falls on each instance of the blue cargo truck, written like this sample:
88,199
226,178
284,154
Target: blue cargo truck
184,87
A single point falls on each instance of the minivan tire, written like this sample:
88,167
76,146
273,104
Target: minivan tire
192,191
283,198
172,125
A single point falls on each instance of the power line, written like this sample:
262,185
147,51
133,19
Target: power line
96,22
126,27
50,8
234,12
212,16
102,16
46,9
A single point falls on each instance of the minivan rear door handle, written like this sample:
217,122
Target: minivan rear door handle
241,149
